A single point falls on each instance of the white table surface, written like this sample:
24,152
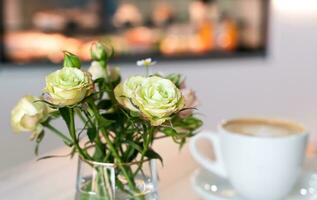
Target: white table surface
54,179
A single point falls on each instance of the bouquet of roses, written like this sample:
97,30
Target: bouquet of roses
120,119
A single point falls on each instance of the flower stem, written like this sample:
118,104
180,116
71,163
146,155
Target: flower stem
90,124
145,148
67,140
112,148
80,115
147,70
72,132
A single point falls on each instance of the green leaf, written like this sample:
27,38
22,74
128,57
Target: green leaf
65,113
98,154
169,131
38,140
182,141
46,102
52,156
104,104
116,82
136,146
151,154
130,154
103,122
91,133
175,78
103,63
71,60
73,152
192,122
99,80
110,116
54,114
40,137
112,52
134,114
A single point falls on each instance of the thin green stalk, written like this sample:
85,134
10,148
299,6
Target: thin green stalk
108,81
89,120
147,70
67,141
116,155
112,148
97,139
145,148
72,132
80,116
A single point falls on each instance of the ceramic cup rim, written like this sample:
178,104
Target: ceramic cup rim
304,132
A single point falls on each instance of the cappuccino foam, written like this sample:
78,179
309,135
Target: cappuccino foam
263,127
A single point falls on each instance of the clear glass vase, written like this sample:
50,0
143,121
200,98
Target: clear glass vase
107,181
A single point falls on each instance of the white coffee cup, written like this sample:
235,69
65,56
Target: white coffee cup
262,161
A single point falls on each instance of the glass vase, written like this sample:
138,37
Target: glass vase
107,181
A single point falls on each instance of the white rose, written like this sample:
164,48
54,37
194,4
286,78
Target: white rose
28,114
96,70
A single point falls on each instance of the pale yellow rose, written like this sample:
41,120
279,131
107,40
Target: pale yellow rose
68,86
28,114
158,98
154,97
124,92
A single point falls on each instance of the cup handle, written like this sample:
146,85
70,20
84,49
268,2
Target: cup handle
216,166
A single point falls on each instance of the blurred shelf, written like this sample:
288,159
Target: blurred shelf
215,55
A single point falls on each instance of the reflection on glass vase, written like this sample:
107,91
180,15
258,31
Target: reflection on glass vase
107,181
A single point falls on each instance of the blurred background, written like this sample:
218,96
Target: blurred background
242,57
38,30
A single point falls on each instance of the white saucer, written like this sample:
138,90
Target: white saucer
212,187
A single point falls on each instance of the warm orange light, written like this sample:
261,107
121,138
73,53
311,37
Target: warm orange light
25,46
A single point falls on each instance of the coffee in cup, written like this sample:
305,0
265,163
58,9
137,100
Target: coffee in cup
262,158
262,127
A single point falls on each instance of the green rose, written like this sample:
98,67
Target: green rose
27,115
68,86
154,97
124,91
